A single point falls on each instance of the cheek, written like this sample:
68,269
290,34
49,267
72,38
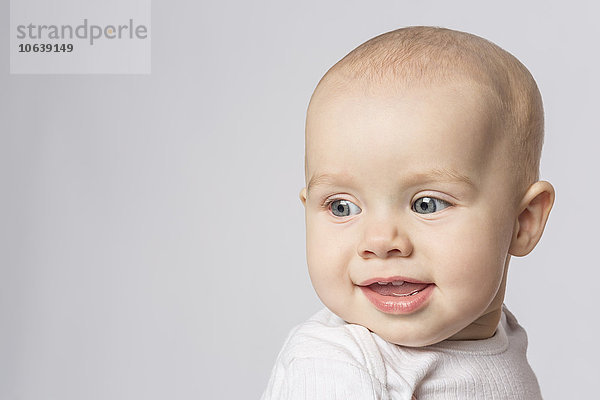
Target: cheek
328,253
469,255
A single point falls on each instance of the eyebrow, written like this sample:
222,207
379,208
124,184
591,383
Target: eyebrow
438,174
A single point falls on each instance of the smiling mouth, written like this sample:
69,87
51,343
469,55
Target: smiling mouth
396,295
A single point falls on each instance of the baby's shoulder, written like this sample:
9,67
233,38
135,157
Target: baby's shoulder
325,336
327,358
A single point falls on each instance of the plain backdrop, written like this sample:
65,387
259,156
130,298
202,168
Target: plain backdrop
151,235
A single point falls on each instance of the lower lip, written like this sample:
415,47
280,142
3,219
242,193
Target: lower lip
398,305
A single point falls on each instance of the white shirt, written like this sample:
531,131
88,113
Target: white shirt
327,358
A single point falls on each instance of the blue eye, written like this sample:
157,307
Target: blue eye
344,208
429,205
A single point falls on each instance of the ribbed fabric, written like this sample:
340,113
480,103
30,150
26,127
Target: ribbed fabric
327,358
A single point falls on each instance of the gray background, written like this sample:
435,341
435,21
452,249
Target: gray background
151,236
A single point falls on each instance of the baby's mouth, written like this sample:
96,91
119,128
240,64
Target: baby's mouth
395,295
397,288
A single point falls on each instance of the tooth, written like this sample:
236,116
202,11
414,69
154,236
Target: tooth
382,283
398,283
406,295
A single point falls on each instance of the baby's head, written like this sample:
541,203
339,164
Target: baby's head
422,158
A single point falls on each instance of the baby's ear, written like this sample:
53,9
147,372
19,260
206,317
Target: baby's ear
534,210
303,196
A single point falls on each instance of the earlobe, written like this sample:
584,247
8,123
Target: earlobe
534,210
303,196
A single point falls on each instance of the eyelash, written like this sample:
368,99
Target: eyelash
327,203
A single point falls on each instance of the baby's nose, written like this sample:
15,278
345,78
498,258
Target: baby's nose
383,240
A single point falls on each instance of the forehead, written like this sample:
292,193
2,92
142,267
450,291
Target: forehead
375,132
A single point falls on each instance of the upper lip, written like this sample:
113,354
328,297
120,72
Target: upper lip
390,279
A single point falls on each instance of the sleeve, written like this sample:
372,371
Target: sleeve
323,379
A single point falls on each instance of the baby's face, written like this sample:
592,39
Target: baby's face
408,186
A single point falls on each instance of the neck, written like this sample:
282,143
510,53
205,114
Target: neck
483,327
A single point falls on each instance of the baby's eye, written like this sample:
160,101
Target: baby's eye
344,208
429,205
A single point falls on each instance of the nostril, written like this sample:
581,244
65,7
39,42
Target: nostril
389,253
368,253
384,248
394,253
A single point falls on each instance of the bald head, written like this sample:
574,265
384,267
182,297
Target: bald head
422,56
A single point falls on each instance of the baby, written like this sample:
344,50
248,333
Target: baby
422,163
